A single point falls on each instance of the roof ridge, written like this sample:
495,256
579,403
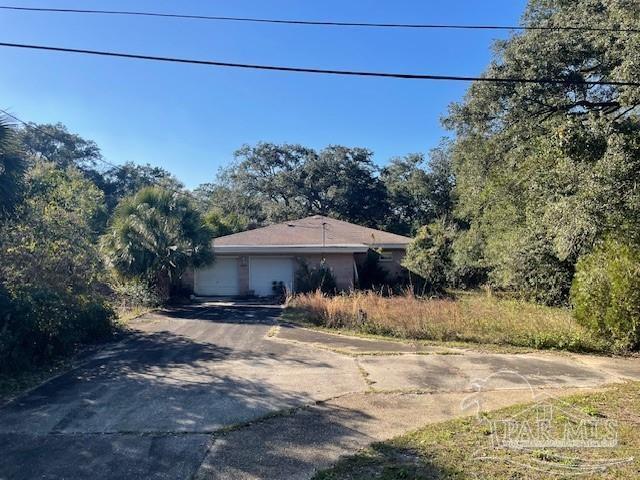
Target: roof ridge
343,232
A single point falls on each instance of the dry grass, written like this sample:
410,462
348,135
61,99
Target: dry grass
470,317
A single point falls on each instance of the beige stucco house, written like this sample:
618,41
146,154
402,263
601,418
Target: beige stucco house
248,263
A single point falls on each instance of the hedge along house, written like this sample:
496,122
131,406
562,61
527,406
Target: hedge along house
248,263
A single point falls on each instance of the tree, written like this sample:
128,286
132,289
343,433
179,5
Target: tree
342,182
54,143
545,171
270,183
429,255
606,292
128,178
12,166
156,234
52,241
221,224
418,196
52,281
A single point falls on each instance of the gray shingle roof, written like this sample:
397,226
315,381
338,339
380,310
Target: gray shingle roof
308,231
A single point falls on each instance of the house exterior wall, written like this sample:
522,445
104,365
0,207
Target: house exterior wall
394,268
340,264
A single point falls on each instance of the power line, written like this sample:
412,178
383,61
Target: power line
353,73
100,159
320,22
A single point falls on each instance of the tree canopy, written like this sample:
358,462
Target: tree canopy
271,183
156,234
544,171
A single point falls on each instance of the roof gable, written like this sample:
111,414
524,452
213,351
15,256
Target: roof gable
309,232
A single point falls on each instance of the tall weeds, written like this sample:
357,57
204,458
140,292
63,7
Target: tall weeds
470,318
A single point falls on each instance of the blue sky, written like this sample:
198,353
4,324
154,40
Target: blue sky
190,119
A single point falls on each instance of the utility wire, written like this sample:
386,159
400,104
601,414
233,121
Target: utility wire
320,22
100,159
353,73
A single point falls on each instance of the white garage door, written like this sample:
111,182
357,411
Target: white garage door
263,271
220,279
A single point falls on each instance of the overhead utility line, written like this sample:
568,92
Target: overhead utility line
322,23
100,159
352,73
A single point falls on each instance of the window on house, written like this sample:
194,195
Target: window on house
385,257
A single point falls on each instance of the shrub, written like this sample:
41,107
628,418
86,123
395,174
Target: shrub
39,323
371,276
606,292
429,255
315,279
135,293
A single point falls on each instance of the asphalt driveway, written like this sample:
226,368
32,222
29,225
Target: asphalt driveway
223,392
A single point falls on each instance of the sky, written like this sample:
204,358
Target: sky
190,119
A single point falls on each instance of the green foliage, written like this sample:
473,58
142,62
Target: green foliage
39,323
270,183
155,235
52,240
135,293
310,279
429,255
54,143
371,276
127,179
418,196
606,292
221,224
543,172
51,277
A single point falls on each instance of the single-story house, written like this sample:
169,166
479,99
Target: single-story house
248,263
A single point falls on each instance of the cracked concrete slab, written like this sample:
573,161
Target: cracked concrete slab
151,406
180,374
499,371
297,445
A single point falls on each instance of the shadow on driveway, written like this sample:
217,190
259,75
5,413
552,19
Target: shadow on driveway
146,407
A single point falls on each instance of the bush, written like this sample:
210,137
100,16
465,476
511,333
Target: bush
39,323
606,292
315,279
371,276
135,293
429,255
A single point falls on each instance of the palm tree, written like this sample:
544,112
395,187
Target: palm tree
155,235
12,166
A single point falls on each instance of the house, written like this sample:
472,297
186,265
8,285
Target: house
248,263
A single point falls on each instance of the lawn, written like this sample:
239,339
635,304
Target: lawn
469,317
451,450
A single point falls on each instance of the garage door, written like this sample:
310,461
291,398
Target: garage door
264,271
220,279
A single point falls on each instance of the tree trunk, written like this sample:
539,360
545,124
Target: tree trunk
163,285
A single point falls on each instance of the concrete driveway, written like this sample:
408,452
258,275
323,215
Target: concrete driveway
224,392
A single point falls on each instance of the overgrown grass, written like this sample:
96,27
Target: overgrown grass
470,317
452,450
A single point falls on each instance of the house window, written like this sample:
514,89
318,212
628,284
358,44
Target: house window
385,257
